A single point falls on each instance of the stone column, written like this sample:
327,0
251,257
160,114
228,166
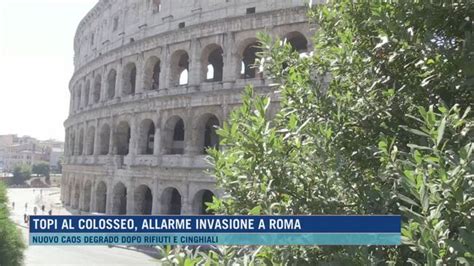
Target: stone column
134,135
157,143
76,140
84,139
185,204
189,145
110,197
119,81
92,207
111,138
194,73
96,138
103,86
156,198
81,195
165,68
131,197
231,63
140,79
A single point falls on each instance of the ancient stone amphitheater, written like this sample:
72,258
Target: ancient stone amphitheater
152,80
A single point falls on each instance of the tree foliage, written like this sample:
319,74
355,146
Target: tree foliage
11,243
21,173
41,169
374,121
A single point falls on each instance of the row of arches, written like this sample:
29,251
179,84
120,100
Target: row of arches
118,140
95,199
211,64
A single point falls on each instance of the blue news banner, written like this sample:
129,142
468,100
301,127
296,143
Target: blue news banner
215,230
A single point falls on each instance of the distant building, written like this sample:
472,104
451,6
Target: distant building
16,150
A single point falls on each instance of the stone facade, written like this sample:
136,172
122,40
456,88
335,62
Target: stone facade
152,81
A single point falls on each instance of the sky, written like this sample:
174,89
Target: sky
36,64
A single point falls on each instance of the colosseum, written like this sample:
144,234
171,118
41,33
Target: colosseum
153,79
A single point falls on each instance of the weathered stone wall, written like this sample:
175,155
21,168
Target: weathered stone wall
138,125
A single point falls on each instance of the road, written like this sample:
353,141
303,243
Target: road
65,255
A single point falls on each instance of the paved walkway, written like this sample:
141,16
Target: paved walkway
65,255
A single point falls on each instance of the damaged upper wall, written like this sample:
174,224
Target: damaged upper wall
114,23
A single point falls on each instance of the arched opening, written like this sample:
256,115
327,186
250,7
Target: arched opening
298,41
171,201
86,204
90,141
81,142
104,139
211,140
87,93
111,81
101,197
174,136
122,138
205,132
129,79
97,88
249,57
147,137
143,200
77,193
213,63
179,68
152,73
119,205
156,6
199,202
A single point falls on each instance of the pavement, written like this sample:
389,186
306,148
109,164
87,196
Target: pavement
66,255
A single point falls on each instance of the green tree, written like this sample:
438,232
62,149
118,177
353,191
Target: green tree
11,243
437,194
42,169
21,173
375,65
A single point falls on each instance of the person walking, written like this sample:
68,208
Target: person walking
50,212
26,206
13,205
35,210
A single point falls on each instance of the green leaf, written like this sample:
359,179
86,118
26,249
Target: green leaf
441,128
407,200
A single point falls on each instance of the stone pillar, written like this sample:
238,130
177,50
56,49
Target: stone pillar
185,201
140,79
81,196
92,207
165,68
194,73
91,91
156,198
71,102
103,86
231,63
134,135
76,140
157,143
110,197
189,143
84,139
131,197
96,138
119,81
111,138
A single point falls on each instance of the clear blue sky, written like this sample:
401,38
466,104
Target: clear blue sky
36,64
